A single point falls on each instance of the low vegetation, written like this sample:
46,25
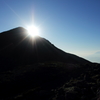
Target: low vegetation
51,81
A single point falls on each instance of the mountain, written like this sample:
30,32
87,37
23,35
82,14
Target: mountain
35,69
17,47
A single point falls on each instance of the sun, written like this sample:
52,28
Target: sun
33,31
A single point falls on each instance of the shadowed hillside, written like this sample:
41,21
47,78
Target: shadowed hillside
33,68
51,81
17,47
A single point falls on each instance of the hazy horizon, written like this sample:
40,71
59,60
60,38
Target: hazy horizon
71,25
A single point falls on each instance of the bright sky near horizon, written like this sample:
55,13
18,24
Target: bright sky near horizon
71,25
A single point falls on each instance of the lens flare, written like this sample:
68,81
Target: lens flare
33,31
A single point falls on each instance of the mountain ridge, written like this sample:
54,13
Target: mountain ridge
36,69
16,44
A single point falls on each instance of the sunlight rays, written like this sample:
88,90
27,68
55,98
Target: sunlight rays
33,31
23,22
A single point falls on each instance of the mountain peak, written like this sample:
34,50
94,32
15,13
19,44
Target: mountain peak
17,46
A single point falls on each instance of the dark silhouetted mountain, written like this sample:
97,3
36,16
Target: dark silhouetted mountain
34,69
17,47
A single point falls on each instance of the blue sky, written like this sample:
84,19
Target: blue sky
71,25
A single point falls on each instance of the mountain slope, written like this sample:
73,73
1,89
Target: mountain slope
36,69
17,47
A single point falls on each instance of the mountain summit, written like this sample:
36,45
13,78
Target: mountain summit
17,47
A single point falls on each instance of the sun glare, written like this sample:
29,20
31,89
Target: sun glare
33,31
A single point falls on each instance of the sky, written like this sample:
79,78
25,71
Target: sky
71,25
